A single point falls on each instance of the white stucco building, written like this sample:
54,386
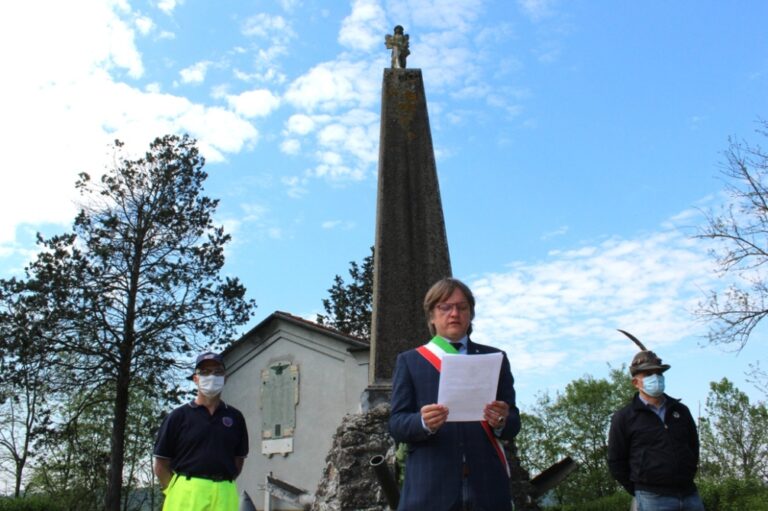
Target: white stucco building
294,381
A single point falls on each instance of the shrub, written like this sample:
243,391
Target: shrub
619,501
31,503
734,495
723,495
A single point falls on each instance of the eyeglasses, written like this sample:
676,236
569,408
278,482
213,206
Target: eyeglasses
446,308
208,372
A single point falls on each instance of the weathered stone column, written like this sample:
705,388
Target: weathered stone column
411,249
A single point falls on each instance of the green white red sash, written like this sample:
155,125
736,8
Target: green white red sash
433,352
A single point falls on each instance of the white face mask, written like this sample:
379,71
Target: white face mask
210,386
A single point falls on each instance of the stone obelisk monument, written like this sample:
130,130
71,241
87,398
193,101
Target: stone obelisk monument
411,254
411,248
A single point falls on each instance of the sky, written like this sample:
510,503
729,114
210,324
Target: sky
577,145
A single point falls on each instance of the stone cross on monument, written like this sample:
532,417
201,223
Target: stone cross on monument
411,248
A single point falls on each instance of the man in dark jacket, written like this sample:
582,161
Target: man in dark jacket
653,446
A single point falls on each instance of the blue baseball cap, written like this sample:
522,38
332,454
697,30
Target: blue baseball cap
208,355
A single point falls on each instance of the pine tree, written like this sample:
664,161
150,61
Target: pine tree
348,308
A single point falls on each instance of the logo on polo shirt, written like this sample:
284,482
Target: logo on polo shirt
227,421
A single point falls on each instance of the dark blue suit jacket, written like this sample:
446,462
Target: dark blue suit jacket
433,473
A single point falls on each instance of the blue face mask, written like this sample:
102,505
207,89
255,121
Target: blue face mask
653,385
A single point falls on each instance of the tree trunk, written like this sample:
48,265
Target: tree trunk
117,444
122,394
19,471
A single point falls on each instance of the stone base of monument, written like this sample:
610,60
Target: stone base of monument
374,395
349,483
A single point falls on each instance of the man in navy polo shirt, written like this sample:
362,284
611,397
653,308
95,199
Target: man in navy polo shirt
201,446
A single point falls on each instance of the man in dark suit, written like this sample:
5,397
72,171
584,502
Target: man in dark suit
451,466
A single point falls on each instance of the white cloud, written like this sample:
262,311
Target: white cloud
254,221
289,5
330,224
268,27
123,51
571,304
299,124
290,146
70,85
56,50
253,212
356,140
254,103
449,60
537,9
266,56
450,15
296,186
218,130
563,229
345,92
144,24
274,32
330,158
168,6
270,75
333,85
365,27
337,172
337,224
332,135
195,73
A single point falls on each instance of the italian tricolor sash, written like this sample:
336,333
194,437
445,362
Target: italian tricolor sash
433,352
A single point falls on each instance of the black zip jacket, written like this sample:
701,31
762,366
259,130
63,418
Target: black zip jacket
647,454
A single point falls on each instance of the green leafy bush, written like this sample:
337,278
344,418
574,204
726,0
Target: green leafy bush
724,495
734,495
31,503
619,501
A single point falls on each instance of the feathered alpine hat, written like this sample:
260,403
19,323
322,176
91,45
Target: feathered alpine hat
645,360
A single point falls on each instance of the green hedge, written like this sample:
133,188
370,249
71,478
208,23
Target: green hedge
725,495
616,502
31,503
734,495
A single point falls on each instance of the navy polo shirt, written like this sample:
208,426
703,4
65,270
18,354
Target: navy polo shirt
203,445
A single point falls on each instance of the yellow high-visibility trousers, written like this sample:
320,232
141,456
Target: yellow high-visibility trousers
196,494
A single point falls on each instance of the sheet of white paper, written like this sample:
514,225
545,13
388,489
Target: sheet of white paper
467,384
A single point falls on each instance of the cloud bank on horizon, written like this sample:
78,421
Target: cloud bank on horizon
582,296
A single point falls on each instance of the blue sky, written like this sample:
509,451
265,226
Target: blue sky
576,143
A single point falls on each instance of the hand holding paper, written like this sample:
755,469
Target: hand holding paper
434,416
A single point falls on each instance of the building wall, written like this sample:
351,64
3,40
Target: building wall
331,380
